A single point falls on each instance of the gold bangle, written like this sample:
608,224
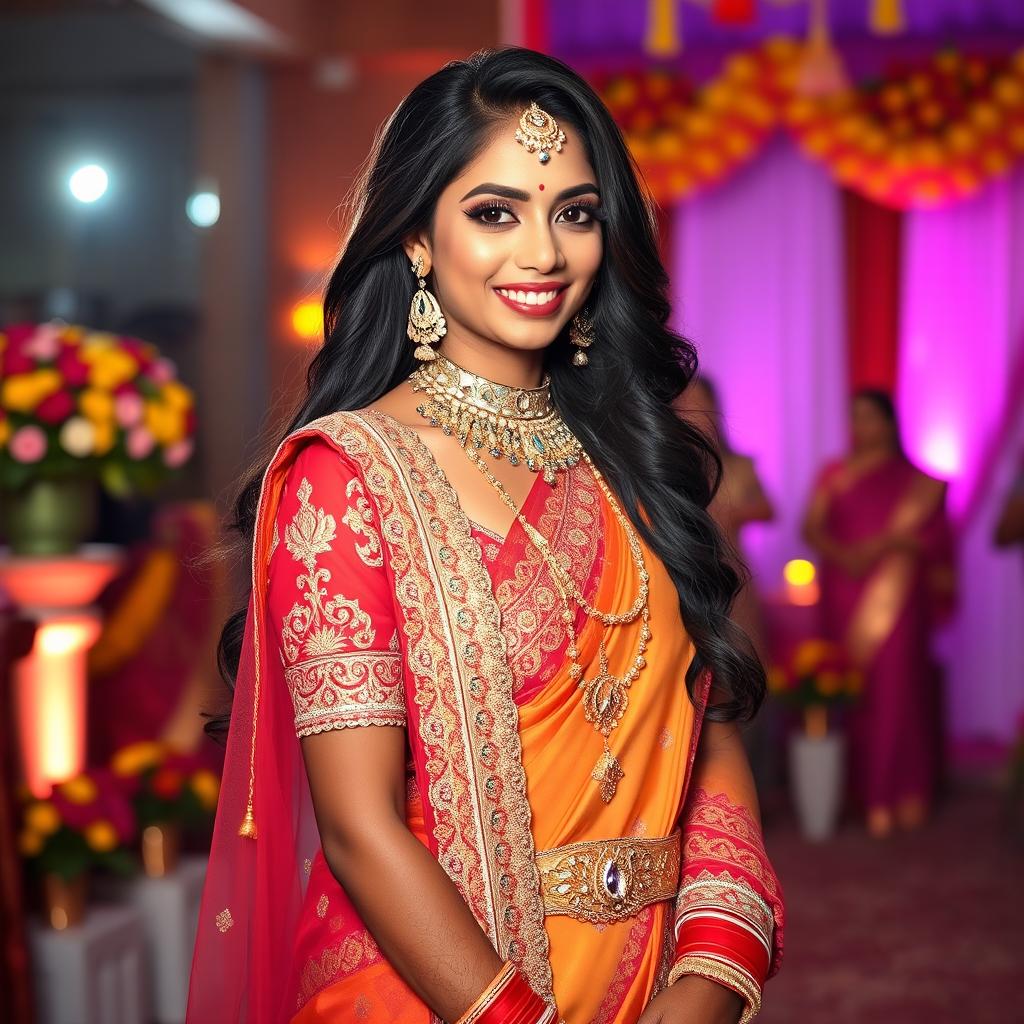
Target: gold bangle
724,973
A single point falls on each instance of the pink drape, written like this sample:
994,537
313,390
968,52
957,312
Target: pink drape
758,286
962,334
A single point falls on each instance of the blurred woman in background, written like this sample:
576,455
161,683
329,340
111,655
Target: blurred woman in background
878,525
741,498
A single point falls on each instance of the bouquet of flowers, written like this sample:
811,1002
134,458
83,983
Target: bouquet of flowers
816,678
86,822
81,403
166,787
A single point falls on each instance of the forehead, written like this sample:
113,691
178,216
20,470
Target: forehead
504,161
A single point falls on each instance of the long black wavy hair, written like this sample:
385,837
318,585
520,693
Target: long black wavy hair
619,406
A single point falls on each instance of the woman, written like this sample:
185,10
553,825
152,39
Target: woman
469,602
741,497
879,525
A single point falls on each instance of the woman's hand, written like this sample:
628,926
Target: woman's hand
694,1000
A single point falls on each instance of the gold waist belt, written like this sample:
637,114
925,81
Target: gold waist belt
610,879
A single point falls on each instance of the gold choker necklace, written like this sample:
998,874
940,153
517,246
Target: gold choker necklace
519,424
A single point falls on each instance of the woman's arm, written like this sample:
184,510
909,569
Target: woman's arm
330,601
729,913
413,910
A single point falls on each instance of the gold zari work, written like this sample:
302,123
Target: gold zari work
609,880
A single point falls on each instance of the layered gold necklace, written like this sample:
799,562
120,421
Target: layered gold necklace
523,425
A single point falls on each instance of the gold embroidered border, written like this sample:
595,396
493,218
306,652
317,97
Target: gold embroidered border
468,719
531,612
724,973
360,688
723,892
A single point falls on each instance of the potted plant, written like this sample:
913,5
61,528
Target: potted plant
85,823
77,408
170,792
817,680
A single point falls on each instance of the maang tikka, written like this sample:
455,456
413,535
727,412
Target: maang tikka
426,321
538,132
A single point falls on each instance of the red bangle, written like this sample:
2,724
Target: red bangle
508,999
726,940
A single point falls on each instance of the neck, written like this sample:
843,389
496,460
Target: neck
497,363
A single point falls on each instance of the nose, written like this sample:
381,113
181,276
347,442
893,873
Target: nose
539,250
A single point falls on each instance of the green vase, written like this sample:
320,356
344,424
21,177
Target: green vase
49,517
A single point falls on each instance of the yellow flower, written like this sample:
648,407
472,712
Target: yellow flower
206,786
22,392
177,396
30,843
111,367
42,817
96,405
164,422
5,430
81,790
101,836
104,435
830,683
136,758
809,655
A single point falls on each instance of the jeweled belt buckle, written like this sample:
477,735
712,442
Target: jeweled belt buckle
609,880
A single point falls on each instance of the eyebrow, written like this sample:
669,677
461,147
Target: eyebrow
489,188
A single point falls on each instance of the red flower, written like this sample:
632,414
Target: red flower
13,360
167,783
56,408
74,371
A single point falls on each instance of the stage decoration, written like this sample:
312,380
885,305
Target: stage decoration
922,136
887,17
79,406
86,823
170,793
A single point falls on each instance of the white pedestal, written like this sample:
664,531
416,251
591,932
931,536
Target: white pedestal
93,973
169,912
170,916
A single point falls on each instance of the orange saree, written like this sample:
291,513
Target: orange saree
379,603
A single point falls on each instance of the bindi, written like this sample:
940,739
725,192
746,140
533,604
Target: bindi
541,186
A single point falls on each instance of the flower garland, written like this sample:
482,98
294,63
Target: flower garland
921,136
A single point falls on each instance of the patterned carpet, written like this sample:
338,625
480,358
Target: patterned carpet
921,927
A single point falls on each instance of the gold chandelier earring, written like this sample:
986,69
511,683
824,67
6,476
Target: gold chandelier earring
426,321
581,334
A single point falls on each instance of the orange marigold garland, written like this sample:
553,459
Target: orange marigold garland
919,137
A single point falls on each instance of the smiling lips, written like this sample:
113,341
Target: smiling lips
533,299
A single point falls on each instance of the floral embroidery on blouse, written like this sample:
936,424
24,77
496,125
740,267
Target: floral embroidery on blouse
340,669
359,519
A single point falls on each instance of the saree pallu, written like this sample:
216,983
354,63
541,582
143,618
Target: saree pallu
883,620
405,613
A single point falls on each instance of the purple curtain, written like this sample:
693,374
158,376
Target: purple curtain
758,287
962,343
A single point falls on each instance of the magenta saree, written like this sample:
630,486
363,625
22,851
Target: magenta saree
883,619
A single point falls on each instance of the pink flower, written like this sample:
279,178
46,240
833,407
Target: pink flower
56,407
178,454
139,443
128,408
45,343
28,444
74,371
162,371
